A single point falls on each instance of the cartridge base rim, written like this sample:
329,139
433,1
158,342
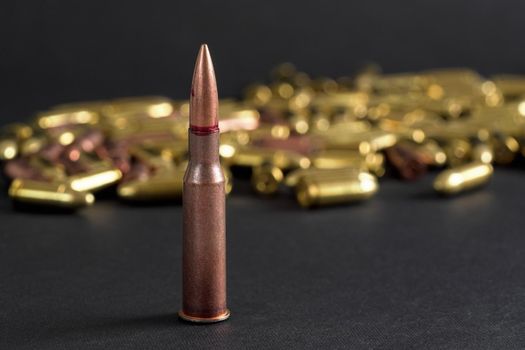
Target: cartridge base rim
222,317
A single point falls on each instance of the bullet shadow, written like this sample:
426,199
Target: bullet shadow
43,210
152,204
433,195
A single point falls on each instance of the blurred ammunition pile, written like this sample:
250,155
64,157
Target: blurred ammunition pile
327,140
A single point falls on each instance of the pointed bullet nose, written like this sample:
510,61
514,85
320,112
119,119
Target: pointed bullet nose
203,57
204,101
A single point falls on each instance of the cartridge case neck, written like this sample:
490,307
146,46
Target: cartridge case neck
204,149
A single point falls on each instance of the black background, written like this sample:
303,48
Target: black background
404,270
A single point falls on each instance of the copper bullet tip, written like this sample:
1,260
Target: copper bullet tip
204,100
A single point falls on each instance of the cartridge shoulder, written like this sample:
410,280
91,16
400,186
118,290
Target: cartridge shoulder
201,173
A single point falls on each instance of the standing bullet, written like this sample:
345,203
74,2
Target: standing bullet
203,200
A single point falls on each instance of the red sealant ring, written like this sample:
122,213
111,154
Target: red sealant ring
203,130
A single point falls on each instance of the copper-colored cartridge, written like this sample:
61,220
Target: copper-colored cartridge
203,200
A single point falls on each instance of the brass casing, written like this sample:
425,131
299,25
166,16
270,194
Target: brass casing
462,178
48,194
337,188
253,157
98,177
266,178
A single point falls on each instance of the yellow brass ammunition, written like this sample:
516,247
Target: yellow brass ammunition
320,190
8,148
398,82
457,151
319,122
505,149
462,178
99,176
306,144
253,157
278,131
228,177
238,117
10,138
324,131
430,152
334,159
301,99
349,99
33,145
258,95
375,163
366,142
20,131
154,159
283,90
48,170
66,116
63,136
139,126
325,85
511,86
295,176
299,123
169,150
266,178
163,186
48,194
482,152
403,131
150,106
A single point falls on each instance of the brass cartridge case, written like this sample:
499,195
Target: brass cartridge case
305,145
336,158
432,153
366,142
49,170
149,106
66,116
511,86
33,145
266,178
295,176
462,178
48,194
100,175
321,190
258,94
238,117
482,152
8,148
164,186
505,148
458,151
253,157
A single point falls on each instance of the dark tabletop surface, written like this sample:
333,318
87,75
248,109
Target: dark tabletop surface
406,269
